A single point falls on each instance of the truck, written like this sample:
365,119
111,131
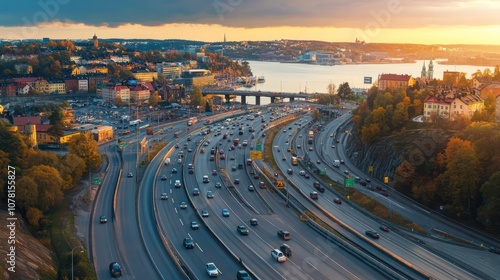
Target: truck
192,121
167,161
336,163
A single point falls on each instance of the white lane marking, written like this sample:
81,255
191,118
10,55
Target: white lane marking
199,247
190,236
312,265
181,222
173,200
175,208
170,190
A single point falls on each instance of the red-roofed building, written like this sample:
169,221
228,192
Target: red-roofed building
116,93
394,81
139,93
450,107
25,120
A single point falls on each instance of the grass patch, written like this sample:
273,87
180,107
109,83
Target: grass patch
322,224
61,225
153,152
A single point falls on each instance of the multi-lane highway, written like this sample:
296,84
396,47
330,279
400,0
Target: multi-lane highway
148,230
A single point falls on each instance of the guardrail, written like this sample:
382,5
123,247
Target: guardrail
300,211
407,236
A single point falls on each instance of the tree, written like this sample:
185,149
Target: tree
399,117
197,98
13,145
56,120
34,215
154,98
71,168
370,133
462,175
40,187
489,212
330,89
315,114
86,148
344,91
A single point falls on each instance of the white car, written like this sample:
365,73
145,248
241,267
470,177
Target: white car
194,225
302,172
183,205
278,255
212,270
177,183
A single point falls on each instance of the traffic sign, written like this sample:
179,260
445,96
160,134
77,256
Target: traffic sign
255,155
367,80
386,179
349,182
280,184
258,147
370,168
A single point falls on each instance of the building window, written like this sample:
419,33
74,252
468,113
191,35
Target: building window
460,106
454,106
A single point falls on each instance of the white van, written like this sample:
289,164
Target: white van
167,161
179,161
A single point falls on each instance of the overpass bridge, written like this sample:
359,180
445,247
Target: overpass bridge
273,95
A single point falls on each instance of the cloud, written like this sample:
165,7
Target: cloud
255,13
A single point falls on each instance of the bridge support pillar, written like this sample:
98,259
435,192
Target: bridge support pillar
292,99
243,100
257,100
273,99
228,100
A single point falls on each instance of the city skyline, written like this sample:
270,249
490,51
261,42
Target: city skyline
390,21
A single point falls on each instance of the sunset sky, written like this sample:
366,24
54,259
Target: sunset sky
388,21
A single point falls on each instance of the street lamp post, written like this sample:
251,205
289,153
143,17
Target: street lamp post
72,268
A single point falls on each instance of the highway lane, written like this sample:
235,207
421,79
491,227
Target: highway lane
103,235
360,223
298,262
176,224
424,217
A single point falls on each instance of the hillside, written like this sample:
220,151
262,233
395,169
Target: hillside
32,258
415,146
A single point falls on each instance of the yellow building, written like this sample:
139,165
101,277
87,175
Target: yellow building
58,87
145,76
394,81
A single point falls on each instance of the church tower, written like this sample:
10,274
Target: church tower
94,40
423,74
430,72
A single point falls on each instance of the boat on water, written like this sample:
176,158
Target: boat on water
261,79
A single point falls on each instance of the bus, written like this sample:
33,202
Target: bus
295,161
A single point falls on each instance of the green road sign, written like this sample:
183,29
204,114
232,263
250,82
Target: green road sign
349,182
121,145
258,147
96,181
322,172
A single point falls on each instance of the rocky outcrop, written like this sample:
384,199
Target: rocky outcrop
414,146
32,259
